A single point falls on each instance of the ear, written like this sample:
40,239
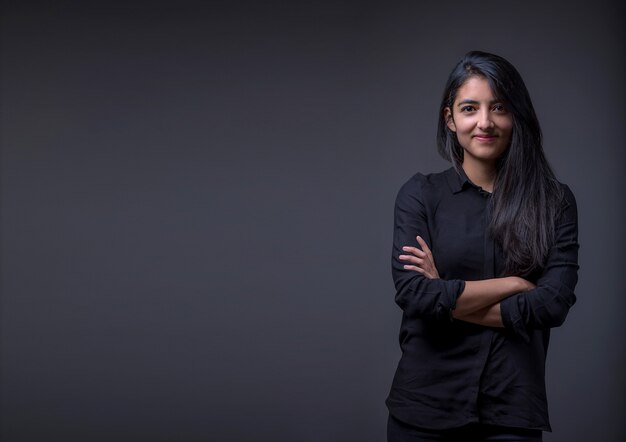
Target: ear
447,116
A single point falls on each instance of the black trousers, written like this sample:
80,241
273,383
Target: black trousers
398,431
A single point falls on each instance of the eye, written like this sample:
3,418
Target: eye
468,108
499,108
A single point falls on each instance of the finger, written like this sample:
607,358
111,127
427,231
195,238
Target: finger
414,250
411,258
423,245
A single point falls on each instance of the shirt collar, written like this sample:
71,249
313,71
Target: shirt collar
457,180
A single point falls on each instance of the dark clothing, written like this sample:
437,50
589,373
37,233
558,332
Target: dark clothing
400,432
453,373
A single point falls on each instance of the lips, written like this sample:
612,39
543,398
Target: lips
485,137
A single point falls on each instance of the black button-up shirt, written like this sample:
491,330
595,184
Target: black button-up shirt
453,373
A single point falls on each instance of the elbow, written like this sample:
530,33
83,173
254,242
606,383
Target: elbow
430,299
538,309
555,319
554,314
415,304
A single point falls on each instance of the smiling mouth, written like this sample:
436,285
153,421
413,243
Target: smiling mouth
485,137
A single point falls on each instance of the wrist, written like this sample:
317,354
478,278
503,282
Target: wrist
521,284
517,284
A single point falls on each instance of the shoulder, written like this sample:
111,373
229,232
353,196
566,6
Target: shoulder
420,184
568,212
567,196
423,190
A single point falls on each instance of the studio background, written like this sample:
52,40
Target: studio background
196,209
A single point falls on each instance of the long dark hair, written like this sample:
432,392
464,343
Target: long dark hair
526,197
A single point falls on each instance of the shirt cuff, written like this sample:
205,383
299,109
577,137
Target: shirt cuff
454,290
512,319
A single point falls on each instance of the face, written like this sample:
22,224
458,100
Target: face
482,124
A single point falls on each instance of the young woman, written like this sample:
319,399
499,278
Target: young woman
485,264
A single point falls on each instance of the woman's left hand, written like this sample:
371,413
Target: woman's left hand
421,261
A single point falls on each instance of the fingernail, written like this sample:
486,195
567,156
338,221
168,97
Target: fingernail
405,248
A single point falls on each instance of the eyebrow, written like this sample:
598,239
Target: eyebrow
470,101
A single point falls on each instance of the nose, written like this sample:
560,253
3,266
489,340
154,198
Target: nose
484,120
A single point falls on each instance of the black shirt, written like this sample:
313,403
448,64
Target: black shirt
451,372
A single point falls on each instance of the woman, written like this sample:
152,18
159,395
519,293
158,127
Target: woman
484,263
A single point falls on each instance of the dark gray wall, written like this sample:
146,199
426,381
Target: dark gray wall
197,209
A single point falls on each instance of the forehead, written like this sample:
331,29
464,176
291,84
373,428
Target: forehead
475,88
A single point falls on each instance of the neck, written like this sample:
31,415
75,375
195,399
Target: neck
481,173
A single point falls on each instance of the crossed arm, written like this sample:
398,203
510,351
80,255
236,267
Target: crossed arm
479,302
510,302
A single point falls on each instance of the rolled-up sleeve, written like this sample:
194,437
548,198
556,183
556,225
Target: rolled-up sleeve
547,305
417,295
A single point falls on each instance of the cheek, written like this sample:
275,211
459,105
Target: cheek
507,126
463,128
509,135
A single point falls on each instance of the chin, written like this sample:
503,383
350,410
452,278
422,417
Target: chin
486,155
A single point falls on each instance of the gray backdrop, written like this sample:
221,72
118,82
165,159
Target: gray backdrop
197,209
